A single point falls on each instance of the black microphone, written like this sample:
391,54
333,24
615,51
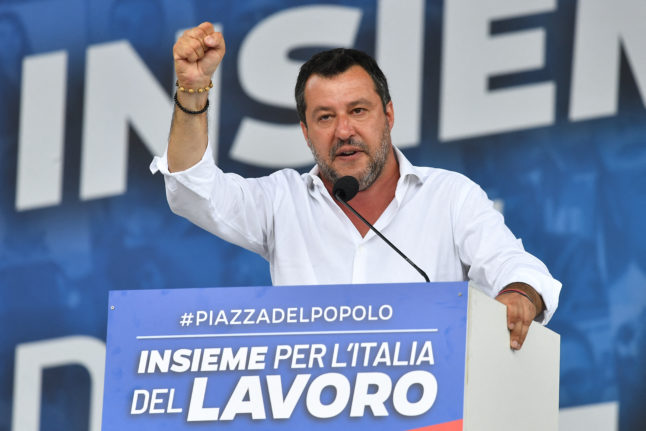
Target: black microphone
345,188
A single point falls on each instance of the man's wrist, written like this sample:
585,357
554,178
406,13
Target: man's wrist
529,292
192,90
192,101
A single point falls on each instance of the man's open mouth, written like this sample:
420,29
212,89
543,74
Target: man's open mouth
347,152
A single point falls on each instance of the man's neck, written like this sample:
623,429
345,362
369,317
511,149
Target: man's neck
374,200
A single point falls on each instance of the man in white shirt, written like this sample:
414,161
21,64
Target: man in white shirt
440,219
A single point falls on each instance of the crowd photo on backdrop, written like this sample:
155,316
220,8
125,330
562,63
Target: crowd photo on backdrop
315,227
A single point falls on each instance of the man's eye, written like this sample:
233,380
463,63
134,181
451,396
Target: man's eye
325,117
358,110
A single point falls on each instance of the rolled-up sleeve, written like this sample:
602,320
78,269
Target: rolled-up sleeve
495,257
235,209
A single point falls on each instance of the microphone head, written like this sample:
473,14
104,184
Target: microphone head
345,188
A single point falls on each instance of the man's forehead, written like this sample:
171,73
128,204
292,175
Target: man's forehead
354,80
353,73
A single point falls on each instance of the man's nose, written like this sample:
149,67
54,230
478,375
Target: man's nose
344,128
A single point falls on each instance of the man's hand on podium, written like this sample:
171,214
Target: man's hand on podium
523,305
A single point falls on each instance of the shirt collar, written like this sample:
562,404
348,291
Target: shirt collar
313,179
409,175
406,168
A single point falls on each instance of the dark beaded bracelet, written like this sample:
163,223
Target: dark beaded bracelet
188,111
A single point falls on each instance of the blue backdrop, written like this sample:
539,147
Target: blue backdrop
573,189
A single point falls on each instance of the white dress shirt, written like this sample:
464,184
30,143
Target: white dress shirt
441,220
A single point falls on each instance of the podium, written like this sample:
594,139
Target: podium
508,390
421,356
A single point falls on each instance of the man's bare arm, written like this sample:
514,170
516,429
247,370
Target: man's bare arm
197,54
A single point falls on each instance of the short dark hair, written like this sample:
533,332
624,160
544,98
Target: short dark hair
334,62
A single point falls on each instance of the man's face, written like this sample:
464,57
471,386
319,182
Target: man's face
347,128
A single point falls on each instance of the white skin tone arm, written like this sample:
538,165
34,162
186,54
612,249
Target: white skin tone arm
197,54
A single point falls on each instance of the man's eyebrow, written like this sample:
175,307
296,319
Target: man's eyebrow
360,101
320,108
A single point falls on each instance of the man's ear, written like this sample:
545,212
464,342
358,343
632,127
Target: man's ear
390,114
305,133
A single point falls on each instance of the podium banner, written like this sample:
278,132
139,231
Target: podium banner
381,357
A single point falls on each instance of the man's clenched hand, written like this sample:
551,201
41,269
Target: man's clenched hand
197,54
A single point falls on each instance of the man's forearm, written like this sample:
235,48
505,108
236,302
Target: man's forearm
188,133
197,54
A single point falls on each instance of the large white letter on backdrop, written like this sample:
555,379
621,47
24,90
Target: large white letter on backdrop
602,26
400,53
39,182
34,357
471,55
119,90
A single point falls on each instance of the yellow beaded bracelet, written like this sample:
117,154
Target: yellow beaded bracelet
191,90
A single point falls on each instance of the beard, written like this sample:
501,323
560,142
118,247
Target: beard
376,161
